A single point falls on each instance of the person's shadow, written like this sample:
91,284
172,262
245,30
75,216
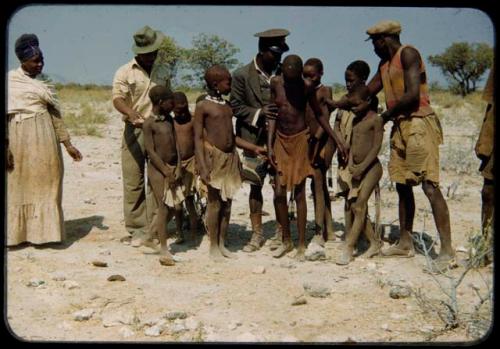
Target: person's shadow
77,229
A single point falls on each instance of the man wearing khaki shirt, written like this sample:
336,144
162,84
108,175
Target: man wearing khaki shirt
131,86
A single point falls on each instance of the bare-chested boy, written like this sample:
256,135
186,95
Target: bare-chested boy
163,166
323,154
365,171
216,156
183,124
288,147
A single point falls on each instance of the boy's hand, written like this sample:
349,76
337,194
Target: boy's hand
343,151
272,159
356,171
73,152
261,151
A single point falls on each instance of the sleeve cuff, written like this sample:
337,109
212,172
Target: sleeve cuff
256,117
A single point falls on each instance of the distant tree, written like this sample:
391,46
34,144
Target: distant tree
170,58
207,51
463,64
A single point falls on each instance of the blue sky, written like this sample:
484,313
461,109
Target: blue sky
87,43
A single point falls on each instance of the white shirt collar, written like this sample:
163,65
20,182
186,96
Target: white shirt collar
261,72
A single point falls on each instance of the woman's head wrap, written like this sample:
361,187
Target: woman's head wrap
27,47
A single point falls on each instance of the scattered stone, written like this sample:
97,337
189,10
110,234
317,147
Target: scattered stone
233,325
247,337
58,276
300,300
427,328
192,324
177,258
117,318
371,266
293,323
154,331
35,282
174,315
65,326
89,201
316,290
83,315
259,270
398,292
126,332
105,252
288,265
167,261
315,252
99,264
385,327
178,326
116,277
70,284
396,316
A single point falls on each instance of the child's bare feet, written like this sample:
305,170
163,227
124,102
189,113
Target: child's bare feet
225,252
300,254
373,250
215,254
283,249
345,256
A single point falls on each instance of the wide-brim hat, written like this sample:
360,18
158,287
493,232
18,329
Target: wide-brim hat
147,40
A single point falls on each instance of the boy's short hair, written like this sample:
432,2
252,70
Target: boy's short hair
360,68
215,73
160,93
315,62
180,96
292,63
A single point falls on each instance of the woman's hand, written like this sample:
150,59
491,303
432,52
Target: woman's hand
73,152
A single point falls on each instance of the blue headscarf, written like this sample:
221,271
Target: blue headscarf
27,47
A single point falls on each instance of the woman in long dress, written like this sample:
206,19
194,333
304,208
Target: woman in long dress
34,158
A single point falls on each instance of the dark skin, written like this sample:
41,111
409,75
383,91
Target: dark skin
159,141
213,124
386,47
319,188
364,166
183,123
34,67
146,62
268,62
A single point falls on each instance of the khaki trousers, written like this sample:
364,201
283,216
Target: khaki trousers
139,204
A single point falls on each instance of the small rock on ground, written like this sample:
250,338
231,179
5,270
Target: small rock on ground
83,315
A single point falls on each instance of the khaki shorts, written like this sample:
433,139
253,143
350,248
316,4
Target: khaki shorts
414,153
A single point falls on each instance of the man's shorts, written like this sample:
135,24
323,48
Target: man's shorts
414,155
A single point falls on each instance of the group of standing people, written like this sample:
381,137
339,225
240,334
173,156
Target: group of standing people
282,115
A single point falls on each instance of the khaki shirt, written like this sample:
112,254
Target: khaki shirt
132,83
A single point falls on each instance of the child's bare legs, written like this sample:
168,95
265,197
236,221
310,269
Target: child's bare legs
319,207
348,217
375,243
406,215
300,200
281,208
225,214
178,225
328,233
193,219
214,207
360,209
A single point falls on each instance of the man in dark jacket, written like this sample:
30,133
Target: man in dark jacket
250,100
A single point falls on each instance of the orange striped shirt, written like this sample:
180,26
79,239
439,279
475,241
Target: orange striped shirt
392,74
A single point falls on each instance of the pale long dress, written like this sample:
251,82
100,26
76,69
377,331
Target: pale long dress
34,187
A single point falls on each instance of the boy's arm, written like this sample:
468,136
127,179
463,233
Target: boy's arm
150,148
358,170
199,150
271,129
322,115
323,95
241,143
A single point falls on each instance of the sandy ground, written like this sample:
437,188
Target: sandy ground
248,299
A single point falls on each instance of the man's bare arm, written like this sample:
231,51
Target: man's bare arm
134,117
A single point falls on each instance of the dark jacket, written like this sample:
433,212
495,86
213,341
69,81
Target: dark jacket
245,99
